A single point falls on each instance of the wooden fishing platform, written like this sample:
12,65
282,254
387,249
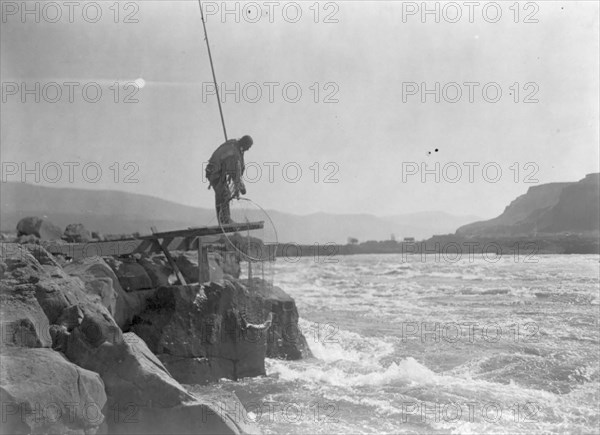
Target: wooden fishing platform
198,238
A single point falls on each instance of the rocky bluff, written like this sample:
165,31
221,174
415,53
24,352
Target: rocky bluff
546,210
103,345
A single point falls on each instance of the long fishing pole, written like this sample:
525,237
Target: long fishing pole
212,69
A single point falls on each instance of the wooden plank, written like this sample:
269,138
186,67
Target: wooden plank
203,268
209,231
144,244
78,251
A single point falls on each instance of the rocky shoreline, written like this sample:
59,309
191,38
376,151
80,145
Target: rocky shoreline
104,344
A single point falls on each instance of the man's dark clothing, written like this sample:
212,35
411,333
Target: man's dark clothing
224,172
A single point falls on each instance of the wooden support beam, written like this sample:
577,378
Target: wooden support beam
203,267
250,274
164,248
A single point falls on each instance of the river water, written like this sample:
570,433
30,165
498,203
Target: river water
411,344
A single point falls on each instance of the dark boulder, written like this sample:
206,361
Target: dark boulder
77,233
157,268
286,341
98,236
203,322
38,227
130,273
201,333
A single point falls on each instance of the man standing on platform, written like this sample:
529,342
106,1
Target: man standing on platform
224,173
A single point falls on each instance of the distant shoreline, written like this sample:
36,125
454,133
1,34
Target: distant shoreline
452,247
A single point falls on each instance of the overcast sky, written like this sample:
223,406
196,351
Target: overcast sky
364,64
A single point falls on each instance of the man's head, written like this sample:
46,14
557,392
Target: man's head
245,143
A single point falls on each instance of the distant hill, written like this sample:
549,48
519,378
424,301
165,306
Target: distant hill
552,208
114,212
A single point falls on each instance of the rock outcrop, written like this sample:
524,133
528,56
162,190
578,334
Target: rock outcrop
23,321
129,387
285,340
42,392
103,286
38,227
546,209
577,209
100,282
200,331
202,323
144,398
63,338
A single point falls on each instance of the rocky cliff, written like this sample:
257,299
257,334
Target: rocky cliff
547,209
100,347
